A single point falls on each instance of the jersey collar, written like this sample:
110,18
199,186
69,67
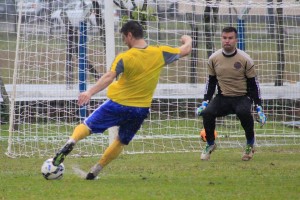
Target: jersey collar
229,55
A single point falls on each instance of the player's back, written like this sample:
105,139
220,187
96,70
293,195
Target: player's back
143,63
141,69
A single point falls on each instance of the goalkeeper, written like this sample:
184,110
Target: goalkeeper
131,82
233,72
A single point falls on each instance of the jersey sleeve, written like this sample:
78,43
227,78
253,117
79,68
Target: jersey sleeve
118,64
253,90
170,54
211,69
250,68
210,87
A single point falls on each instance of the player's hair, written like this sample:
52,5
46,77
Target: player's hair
229,29
134,28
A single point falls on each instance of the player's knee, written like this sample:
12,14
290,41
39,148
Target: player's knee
125,139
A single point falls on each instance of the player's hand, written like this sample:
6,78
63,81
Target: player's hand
84,98
201,108
261,117
185,38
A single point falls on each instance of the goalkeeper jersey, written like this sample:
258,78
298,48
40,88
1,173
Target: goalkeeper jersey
138,72
231,71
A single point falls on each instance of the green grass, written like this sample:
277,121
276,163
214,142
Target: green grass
273,174
41,140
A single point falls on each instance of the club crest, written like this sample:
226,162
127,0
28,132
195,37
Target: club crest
237,65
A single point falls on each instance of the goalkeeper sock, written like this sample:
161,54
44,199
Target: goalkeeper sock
111,153
251,142
81,131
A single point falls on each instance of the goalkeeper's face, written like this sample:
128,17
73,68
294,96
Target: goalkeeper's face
229,41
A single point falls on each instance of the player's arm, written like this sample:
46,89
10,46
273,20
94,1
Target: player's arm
100,85
171,54
186,46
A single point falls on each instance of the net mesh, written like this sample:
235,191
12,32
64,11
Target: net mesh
40,59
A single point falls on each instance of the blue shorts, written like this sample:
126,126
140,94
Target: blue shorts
110,114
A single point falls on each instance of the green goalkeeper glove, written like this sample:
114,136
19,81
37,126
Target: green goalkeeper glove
261,117
201,108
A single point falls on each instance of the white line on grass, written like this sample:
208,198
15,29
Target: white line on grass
79,172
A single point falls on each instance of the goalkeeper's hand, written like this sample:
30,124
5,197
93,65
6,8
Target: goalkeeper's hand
261,117
201,108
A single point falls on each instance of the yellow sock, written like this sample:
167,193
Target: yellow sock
111,152
80,132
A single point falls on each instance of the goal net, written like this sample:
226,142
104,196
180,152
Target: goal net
50,55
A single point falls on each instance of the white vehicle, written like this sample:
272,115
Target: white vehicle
74,12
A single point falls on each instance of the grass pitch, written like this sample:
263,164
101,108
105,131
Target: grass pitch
274,173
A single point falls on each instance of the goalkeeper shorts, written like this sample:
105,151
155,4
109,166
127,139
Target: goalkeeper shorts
109,114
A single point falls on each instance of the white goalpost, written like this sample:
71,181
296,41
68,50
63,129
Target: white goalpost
46,61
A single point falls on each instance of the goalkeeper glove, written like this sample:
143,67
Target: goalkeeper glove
261,117
201,108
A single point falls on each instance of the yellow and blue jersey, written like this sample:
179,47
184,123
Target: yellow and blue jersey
138,72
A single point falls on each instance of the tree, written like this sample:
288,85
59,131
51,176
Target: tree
142,14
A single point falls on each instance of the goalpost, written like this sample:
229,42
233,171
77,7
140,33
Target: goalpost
43,108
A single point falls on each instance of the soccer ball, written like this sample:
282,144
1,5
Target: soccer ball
203,135
51,172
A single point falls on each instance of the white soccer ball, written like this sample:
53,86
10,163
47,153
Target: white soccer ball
51,172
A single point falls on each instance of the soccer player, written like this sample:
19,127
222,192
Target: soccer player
233,72
131,82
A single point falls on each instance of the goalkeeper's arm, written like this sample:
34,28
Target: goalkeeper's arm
209,92
253,90
210,87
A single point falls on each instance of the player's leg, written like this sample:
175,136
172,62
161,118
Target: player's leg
216,108
81,131
129,123
243,112
111,153
97,122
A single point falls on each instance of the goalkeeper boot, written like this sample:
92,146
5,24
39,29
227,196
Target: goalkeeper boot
93,174
60,156
248,154
207,151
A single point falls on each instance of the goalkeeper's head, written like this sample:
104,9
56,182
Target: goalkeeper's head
230,29
229,40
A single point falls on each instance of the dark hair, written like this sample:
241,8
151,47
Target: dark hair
134,28
229,29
